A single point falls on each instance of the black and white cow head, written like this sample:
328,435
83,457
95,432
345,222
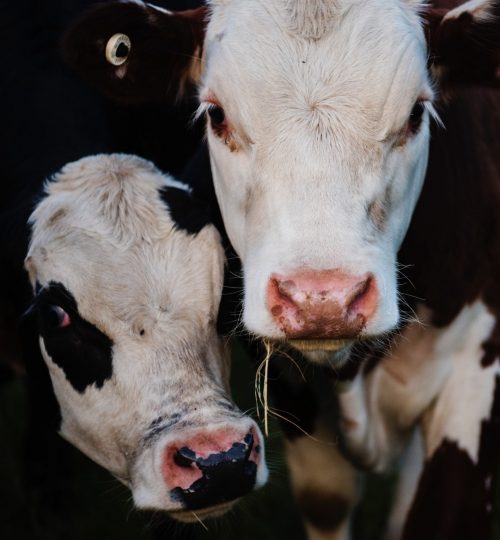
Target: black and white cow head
127,271
318,117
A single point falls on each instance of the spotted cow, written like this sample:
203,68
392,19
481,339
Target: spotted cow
127,271
319,120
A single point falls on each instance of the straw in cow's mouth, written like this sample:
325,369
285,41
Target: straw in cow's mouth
261,393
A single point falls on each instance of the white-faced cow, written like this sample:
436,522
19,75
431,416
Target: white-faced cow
127,270
318,119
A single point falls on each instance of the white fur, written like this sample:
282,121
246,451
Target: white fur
105,234
480,10
384,407
410,468
319,117
466,398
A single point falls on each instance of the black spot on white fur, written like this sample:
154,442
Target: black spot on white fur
80,349
188,213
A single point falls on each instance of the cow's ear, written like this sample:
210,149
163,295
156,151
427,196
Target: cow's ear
464,43
135,52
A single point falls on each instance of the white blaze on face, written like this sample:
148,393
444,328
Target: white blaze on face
320,154
126,305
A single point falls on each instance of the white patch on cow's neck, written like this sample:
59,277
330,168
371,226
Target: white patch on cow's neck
466,399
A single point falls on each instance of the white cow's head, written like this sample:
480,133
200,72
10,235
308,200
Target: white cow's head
127,272
318,128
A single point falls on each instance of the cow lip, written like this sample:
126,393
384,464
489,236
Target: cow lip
329,345
189,516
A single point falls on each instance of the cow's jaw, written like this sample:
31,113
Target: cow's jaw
312,168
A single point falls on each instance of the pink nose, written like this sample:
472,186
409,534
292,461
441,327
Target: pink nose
212,468
319,304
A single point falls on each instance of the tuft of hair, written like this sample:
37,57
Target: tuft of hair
310,19
114,193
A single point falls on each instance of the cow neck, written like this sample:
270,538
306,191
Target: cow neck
453,245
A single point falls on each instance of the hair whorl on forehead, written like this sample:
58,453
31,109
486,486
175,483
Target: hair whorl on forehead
310,18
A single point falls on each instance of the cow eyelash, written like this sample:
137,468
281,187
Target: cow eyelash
429,107
414,121
217,120
215,113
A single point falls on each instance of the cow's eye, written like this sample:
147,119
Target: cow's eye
217,115
55,317
416,116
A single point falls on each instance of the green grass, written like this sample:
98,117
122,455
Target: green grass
98,507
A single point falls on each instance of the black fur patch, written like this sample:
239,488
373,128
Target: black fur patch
188,213
82,351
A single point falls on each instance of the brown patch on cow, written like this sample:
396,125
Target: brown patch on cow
464,49
165,55
455,495
451,249
276,310
56,216
377,212
324,511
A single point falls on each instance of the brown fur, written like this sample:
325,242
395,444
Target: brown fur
455,495
324,511
163,48
462,52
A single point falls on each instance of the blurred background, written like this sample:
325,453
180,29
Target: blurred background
50,117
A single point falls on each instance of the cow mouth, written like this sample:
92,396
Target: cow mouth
327,345
190,516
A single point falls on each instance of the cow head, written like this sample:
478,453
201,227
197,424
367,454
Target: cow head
127,271
318,119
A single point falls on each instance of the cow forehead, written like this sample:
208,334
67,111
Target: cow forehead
369,61
141,289
105,234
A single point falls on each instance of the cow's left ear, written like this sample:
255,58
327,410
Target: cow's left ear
135,52
464,43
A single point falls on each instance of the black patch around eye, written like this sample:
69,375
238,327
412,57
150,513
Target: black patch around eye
80,349
188,213
217,115
416,116
54,316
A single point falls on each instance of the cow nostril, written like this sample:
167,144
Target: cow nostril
184,457
359,297
248,440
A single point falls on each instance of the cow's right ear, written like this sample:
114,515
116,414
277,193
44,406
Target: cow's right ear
464,43
134,52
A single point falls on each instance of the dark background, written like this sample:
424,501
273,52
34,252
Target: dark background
48,118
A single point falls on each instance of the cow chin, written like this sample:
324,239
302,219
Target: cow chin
189,516
324,351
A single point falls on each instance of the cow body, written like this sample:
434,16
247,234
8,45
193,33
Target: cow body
319,150
442,373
